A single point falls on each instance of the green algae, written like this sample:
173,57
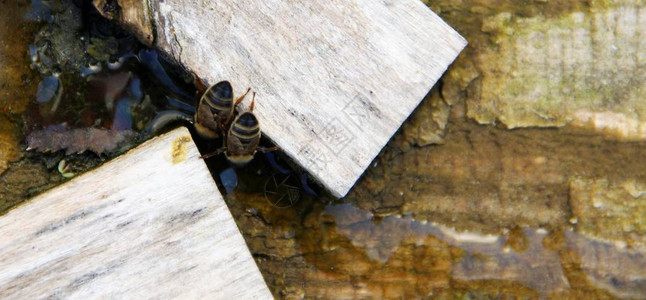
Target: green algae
544,70
102,49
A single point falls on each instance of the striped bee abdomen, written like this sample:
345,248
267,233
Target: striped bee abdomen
243,136
214,110
246,128
219,98
243,139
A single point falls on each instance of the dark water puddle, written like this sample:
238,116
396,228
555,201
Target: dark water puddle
77,90
484,257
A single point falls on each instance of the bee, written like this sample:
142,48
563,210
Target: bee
242,138
215,109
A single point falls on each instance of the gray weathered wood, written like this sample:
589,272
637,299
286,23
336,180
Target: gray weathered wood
335,79
149,224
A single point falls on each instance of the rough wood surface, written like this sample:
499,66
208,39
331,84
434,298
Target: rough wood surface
335,79
149,224
133,14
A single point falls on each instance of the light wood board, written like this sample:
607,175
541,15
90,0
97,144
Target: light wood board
149,224
335,79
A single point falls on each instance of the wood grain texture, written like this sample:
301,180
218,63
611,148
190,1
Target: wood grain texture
149,224
132,14
335,79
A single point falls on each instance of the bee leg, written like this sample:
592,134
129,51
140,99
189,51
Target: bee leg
214,153
201,87
253,101
223,129
241,98
268,149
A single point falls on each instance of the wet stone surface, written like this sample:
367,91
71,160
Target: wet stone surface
8,143
493,179
15,79
551,64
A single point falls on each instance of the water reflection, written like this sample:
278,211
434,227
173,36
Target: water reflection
46,89
40,11
610,266
99,76
77,90
229,180
485,257
536,267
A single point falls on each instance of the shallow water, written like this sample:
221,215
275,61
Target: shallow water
77,90
489,213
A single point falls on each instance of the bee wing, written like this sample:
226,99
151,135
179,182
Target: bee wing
226,118
205,124
253,145
204,116
201,87
235,146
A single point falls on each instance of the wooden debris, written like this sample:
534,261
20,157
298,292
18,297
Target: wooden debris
335,80
149,224
133,14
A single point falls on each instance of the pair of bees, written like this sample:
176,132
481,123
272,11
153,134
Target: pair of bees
213,116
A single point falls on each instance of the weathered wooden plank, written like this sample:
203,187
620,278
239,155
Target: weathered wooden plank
335,79
150,223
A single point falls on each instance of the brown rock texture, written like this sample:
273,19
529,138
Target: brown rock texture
15,75
551,64
10,149
611,209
